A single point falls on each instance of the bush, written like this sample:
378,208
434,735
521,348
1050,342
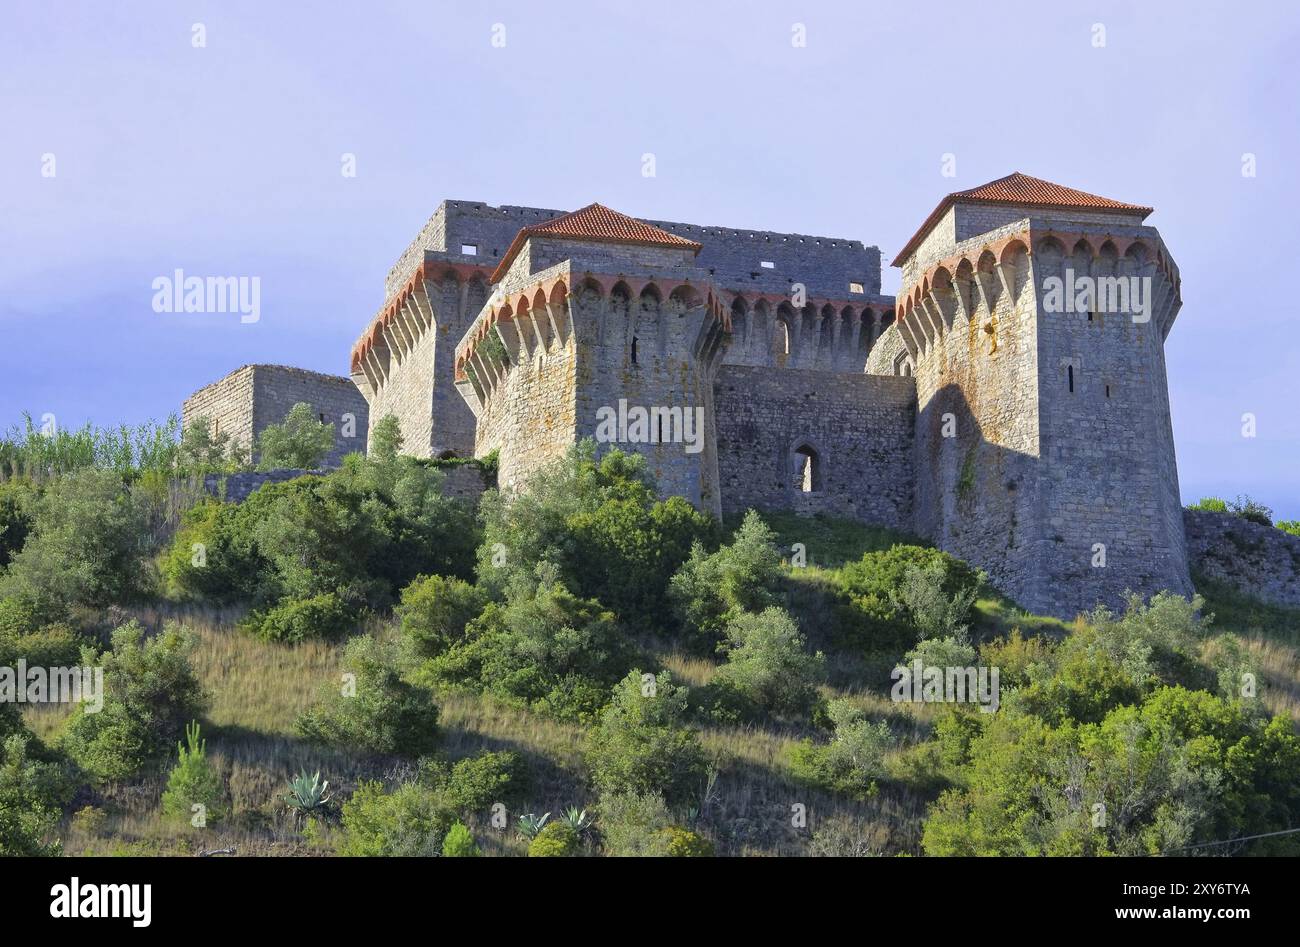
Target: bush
16,500
409,821
150,691
202,452
434,612
1289,526
597,525
683,843
1250,510
193,782
1184,766
459,843
360,533
296,620
712,590
769,669
555,840
877,616
86,546
853,759
545,649
475,783
641,744
1209,505
934,612
300,442
51,646
377,713
634,825
29,795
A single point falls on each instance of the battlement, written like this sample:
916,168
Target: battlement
736,258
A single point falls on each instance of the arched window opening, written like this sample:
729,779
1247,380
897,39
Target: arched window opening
807,470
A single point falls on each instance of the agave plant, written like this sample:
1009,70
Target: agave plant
578,820
308,795
531,824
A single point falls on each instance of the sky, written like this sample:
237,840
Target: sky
226,157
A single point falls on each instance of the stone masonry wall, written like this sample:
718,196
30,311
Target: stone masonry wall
860,426
1258,561
244,402
529,418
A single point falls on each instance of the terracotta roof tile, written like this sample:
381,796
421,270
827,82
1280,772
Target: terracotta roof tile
1020,189
598,223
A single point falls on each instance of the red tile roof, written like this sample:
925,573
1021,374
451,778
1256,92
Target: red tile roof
595,222
1020,190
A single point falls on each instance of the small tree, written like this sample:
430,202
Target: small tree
459,843
769,667
374,711
385,439
642,745
202,451
193,783
711,589
301,442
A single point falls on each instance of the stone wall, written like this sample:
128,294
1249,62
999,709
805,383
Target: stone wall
1258,561
244,402
859,428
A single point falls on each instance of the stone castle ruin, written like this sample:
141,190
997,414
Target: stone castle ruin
1010,403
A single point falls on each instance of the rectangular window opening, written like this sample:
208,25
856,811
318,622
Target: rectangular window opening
767,264
855,288
469,249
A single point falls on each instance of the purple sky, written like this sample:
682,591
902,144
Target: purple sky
226,160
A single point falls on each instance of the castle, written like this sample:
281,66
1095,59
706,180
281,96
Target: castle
1010,404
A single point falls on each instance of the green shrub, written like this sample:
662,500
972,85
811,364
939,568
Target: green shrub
30,800
633,825
375,711
409,821
556,840
150,691
300,442
876,616
683,843
713,589
51,646
193,782
434,612
597,525
360,533
1181,768
852,761
769,669
1289,526
1209,505
477,782
86,546
295,620
459,843
545,649
1249,509
641,744
16,500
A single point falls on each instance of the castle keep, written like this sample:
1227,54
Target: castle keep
1010,404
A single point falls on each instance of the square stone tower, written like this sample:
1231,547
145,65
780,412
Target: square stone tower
598,325
1033,317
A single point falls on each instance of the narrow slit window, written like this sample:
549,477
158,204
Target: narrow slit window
634,350
1069,377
